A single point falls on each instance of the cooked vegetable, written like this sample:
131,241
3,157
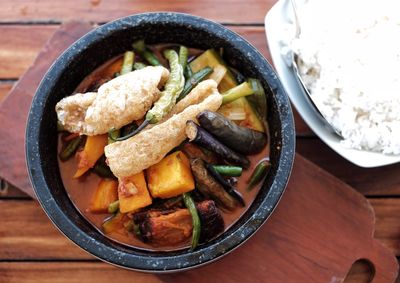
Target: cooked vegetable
127,63
201,137
115,223
102,169
209,187
194,80
239,91
194,151
225,184
140,47
239,77
259,173
190,205
183,56
138,66
93,150
113,207
133,193
113,135
171,176
168,96
212,59
105,194
188,72
71,148
171,202
239,106
258,99
171,227
240,139
228,170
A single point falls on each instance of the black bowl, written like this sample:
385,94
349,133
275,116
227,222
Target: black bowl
90,52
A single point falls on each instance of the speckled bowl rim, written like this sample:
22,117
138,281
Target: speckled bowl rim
188,259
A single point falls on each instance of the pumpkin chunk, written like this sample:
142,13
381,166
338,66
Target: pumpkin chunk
105,194
171,176
92,151
133,193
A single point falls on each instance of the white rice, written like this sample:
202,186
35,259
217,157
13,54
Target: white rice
349,54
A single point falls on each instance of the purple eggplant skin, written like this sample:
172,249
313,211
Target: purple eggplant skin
241,139
202,138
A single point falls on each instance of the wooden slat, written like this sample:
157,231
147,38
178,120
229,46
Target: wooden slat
4,88
371,181
19,47
231,11
71,272
26,233
387,226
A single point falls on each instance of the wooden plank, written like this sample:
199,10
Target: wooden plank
71,272
27,233
5,87
19,47
368,181
387,226
229,11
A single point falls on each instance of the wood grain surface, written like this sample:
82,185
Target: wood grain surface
32,250
334,229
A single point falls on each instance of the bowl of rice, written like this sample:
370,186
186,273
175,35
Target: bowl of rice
349,59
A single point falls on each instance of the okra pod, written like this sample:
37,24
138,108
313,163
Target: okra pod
227,170
259,173
190,205
71,148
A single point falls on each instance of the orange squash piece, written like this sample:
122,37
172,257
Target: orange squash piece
133,193
106,193
92,151
171,176
115,223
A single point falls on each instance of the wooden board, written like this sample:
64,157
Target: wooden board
319,229
227,11
334,228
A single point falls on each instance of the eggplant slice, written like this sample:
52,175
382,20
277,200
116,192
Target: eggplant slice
241,139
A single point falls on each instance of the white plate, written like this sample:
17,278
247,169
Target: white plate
275,21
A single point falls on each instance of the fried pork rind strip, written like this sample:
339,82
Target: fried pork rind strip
135,154
117,102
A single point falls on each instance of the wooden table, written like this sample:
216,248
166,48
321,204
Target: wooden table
31,249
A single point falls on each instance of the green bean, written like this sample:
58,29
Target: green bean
227,170
183,56
140,47
113,207
259,173
139,65
168,96
188,71
127,63
71,148
190,205
239,91
194,80
113,135
172,89
101,168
